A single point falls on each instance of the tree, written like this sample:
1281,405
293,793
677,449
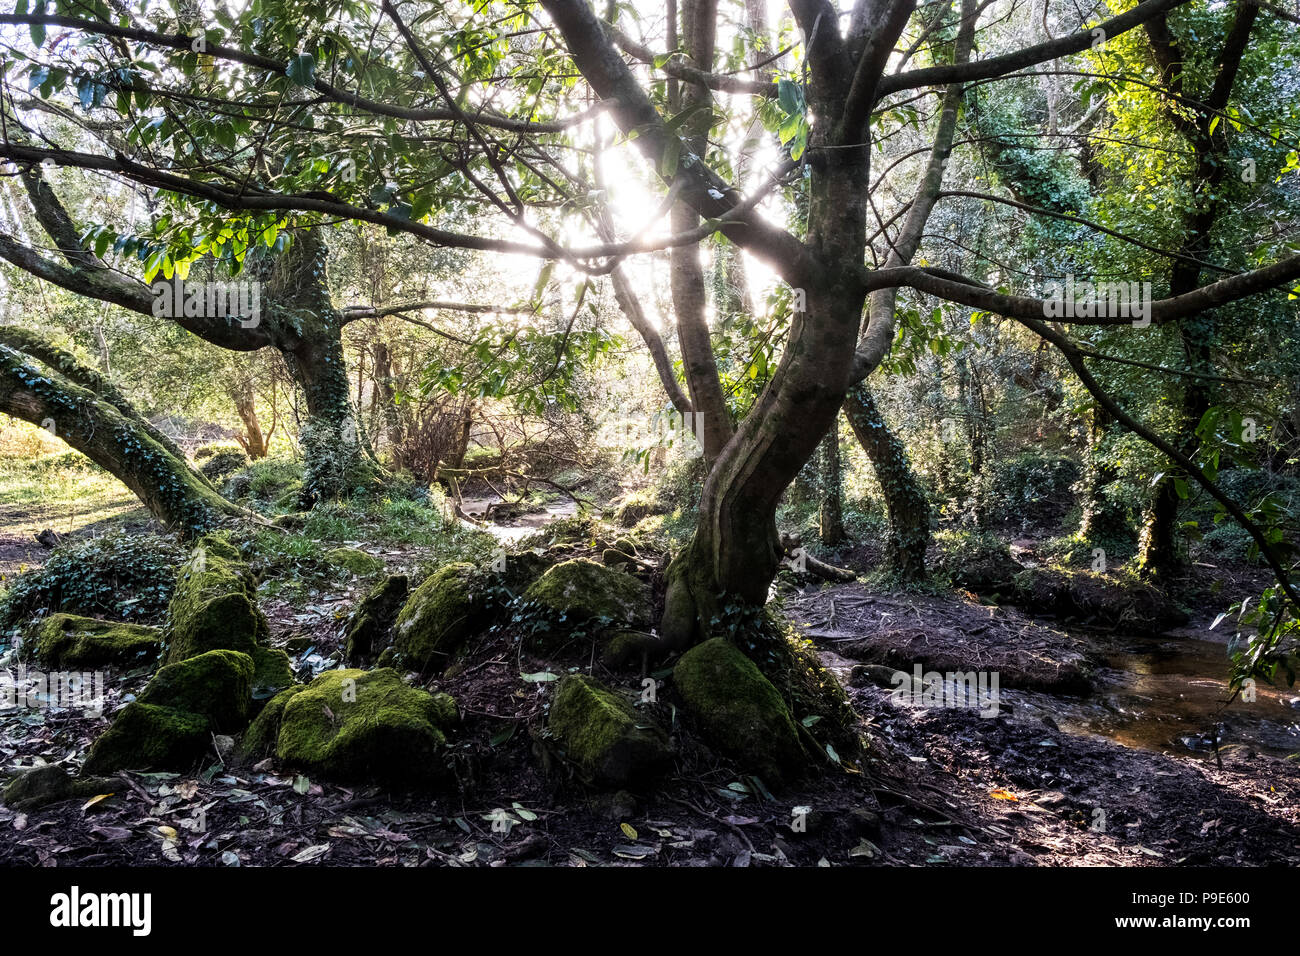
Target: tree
444,150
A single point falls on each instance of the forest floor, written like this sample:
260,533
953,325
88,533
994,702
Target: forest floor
939,785
1098,755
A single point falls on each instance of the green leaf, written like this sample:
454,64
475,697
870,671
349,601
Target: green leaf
302,69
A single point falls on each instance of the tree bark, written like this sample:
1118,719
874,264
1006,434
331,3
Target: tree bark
114,439
905,501
830,511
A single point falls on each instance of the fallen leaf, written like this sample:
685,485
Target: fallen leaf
1001,794
94,800
310,853
628,830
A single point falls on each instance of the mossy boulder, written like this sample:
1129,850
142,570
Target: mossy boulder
214,604
355,560
360,725
50,783
71,642
149,737
603,735
260,738
217,685
272,671
440,616
738,710
581,590
369,625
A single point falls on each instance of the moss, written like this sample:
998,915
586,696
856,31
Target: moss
260,738
271,671
582,590
636,507
217,685
352,559
214,605
148,737
355,724
626,649
71,642
614,558
739,711
440,616
609,742
373,618
50,783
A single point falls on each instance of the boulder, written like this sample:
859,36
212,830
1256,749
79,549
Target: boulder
358,725
440,616
354,560
50,783
368,627
149,737
71,642
603,735
217,685
738,710
214,605
581,590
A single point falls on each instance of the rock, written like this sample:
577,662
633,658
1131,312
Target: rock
260,739
603,735
614,558
214,606
217,685
738,710
272,671
878,674
626,649
627,545
148,737
440,616
71,642
581,590
636,508
360,725
368,627
355,560
50,783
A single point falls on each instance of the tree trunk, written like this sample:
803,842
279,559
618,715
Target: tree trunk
308,331
114,439
830,512
1104,518
905,501
253,440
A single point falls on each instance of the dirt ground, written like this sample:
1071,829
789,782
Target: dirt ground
939,785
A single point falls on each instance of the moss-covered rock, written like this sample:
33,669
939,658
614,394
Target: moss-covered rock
149,737
581,590
369,625
50,783
214,604
217,685
614,558
628,649
272,671
738,710
71,642
260,738
355,724
440,616
353,559
603,735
